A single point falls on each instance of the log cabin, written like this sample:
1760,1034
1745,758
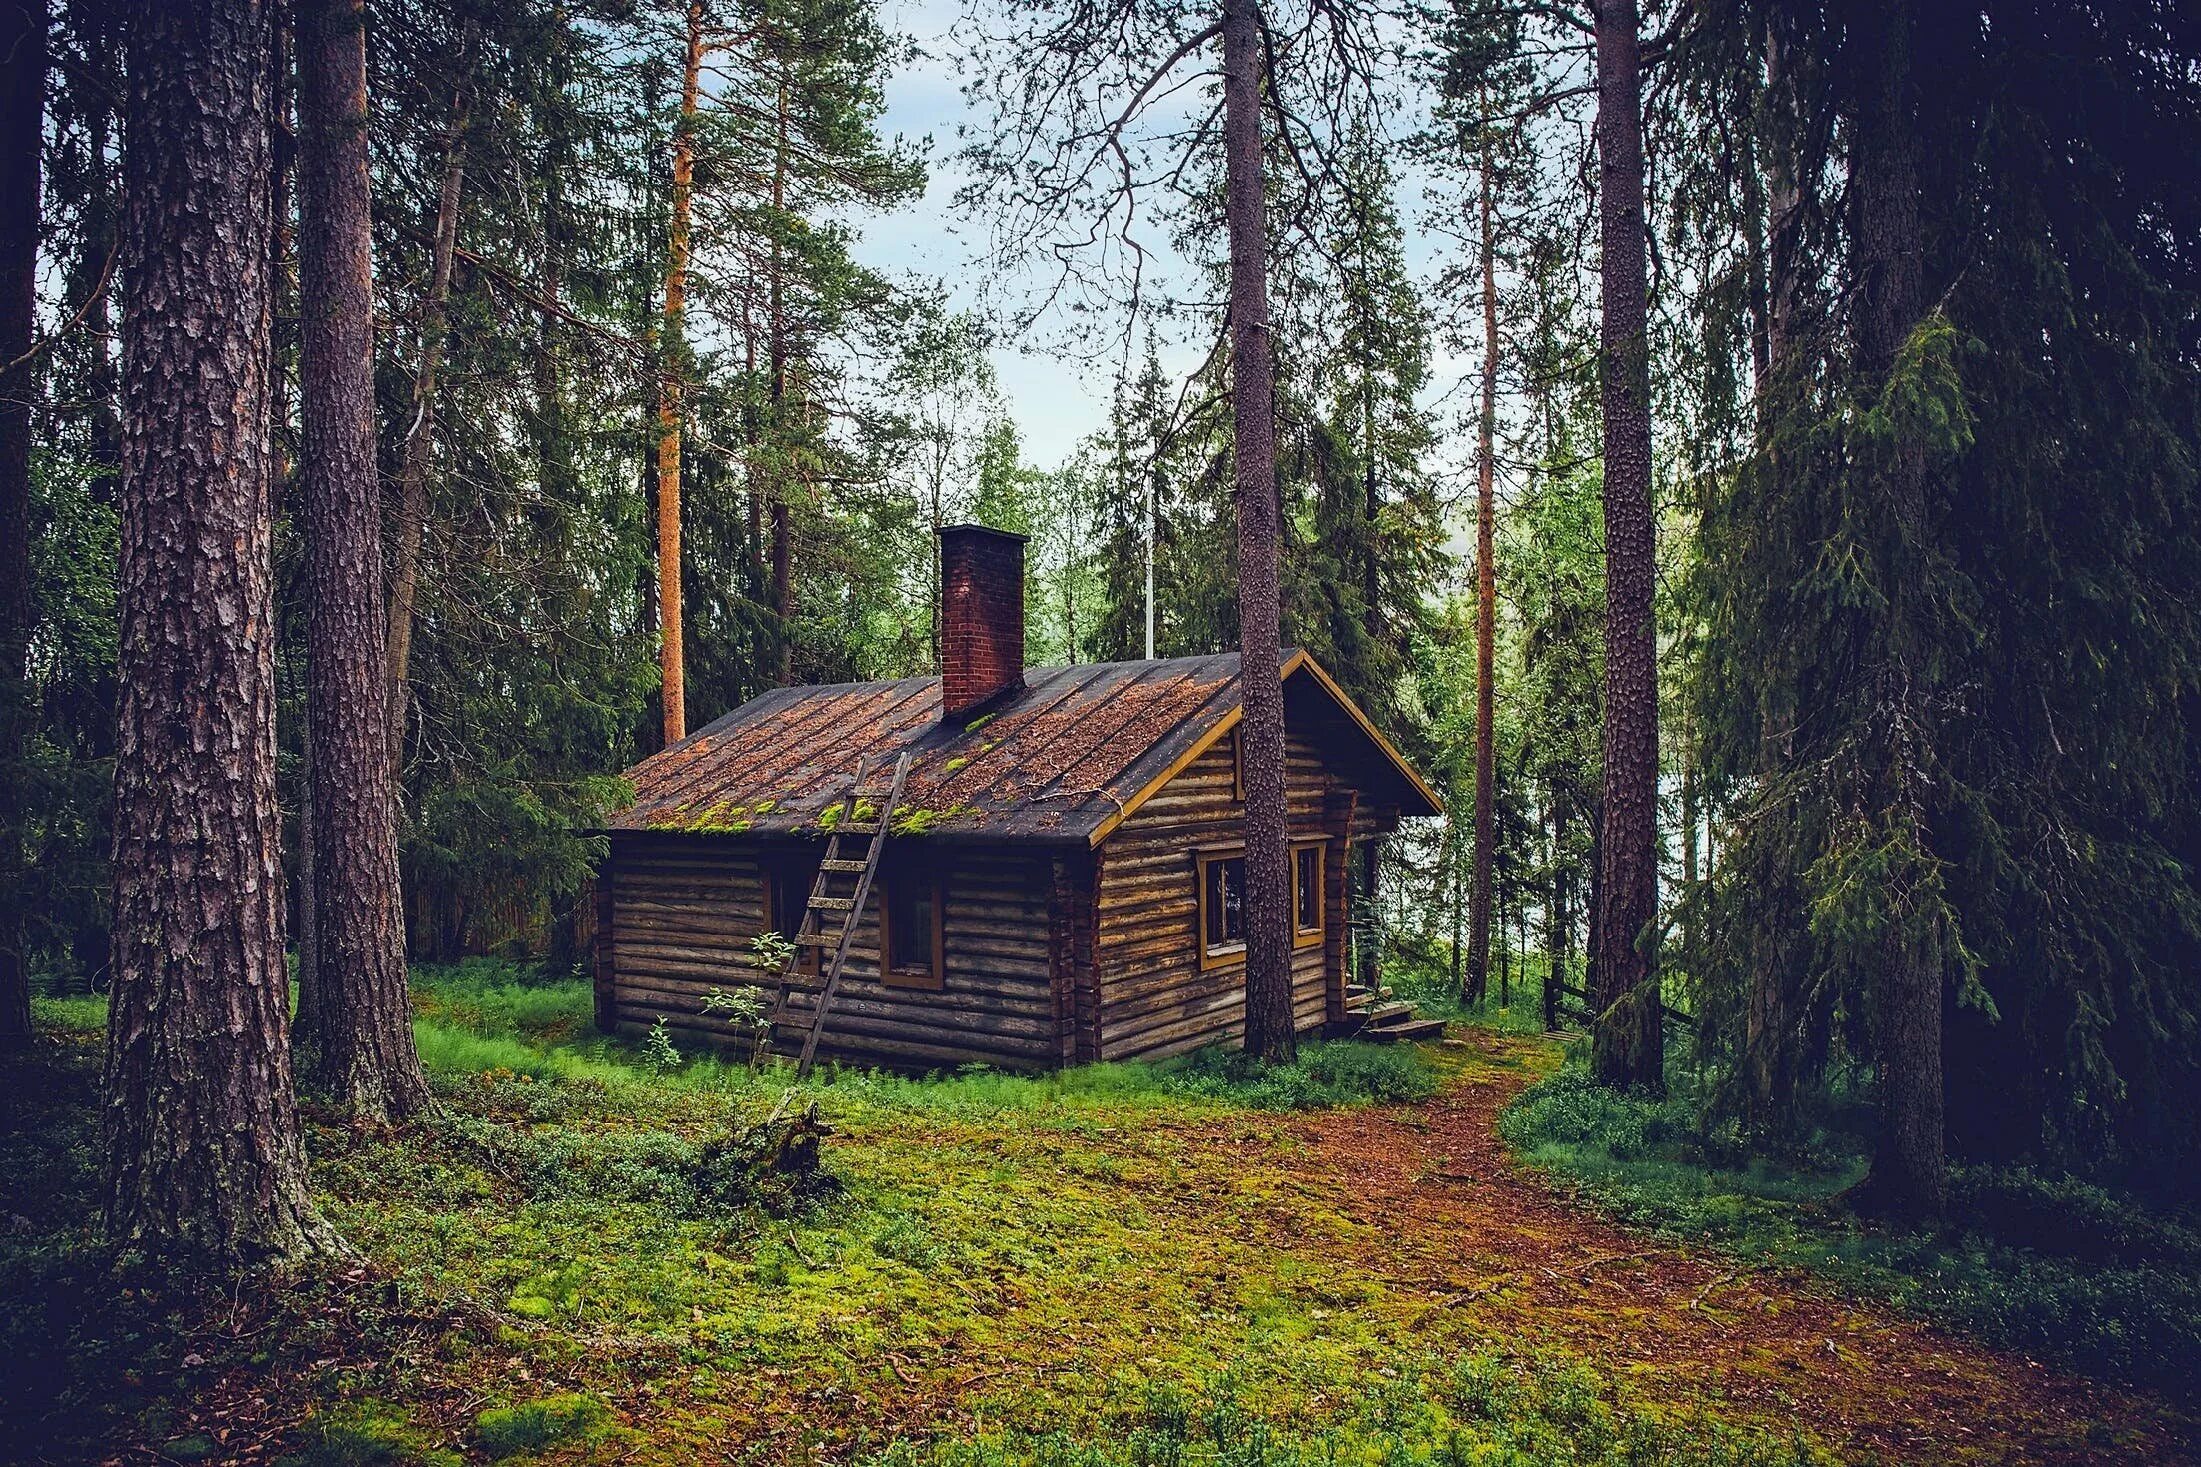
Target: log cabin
1062,880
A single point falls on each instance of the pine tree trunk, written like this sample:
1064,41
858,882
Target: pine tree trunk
1269,1027
1908,1174
420,426
1555,924
1628,1042
22,128
1768,1064
1486,609
1368,941
671,654
783,452
203,1152
1457,880
362,1050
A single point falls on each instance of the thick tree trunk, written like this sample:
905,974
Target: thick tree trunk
1628,1042
670,654
362,1053
22,128
1486,609
419,447
1269,1031
1908,1174
203,1153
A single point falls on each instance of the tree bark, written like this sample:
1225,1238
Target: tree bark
1486,610
22,136
202,1148
783,440
1908,1173
670,655
1269,1029
361,1055
420,423
1768,1061
1628,1042
1555,924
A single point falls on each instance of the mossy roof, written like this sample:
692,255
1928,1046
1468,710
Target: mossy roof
1061,759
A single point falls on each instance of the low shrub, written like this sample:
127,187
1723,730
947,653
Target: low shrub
2049,1265
1481,1409
1333,1073
508,1431
367,1434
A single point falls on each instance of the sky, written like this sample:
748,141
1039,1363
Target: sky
1055,402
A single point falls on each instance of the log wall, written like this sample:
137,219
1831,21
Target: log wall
1155,999
679,913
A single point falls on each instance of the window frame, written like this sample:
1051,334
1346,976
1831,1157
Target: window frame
1228,954
919,980
1303,935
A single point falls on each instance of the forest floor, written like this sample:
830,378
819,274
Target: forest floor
1112,1267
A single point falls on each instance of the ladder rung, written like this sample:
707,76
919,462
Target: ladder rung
857,827
818,939
847,866
833,904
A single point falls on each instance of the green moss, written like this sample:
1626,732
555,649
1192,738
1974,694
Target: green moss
978,723
368,1434
911,820
953,765
508,1431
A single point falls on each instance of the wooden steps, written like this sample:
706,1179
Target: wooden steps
1376,1016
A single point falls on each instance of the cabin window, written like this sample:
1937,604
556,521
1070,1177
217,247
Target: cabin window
912,943
786,893
1307,894
1222,909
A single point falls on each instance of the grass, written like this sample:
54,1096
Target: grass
2050,1266
1119,1264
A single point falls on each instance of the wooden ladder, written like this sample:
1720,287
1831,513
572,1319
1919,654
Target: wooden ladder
828,907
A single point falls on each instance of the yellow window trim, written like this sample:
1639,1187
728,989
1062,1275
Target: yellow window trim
1234,954
1230,954
1304,934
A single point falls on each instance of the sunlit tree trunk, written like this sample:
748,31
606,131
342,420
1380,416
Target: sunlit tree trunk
202,1147
673,359
1269,1029
1486,609
1628,1040
779,350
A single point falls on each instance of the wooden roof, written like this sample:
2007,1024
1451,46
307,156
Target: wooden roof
1064,759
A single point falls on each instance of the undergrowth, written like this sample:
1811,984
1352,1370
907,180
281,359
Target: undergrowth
1480,1409
2048,1265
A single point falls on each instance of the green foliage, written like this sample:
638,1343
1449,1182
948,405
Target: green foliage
1325,1074
368,1434
510,1431
1483,1408
2051,1266
658,1050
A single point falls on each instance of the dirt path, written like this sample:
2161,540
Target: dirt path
1461,1224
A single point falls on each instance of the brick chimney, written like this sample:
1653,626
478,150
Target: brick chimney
981,616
